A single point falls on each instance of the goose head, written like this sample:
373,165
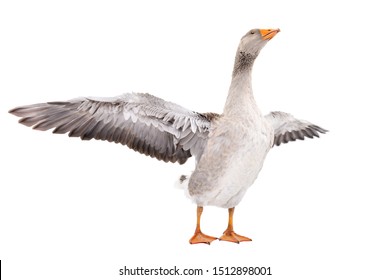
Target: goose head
254,40
250,46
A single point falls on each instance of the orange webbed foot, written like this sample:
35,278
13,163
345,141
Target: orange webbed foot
200,237
231,236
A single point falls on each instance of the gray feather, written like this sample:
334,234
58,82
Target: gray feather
142,122
288,129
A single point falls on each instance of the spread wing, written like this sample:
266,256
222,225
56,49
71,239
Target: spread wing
287,128
141,121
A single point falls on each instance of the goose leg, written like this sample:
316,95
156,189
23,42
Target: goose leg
198,236
229,234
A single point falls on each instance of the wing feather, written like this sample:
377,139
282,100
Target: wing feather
287,128
143,122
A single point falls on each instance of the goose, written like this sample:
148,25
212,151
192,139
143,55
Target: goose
229,148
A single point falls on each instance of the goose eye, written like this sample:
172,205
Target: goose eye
252,32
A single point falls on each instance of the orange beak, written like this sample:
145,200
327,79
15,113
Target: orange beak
268,34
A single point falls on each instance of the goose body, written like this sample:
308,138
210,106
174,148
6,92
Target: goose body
229,148
237,145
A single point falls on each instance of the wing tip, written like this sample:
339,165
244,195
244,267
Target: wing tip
310,131
16,111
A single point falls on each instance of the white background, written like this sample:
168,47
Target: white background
72,209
